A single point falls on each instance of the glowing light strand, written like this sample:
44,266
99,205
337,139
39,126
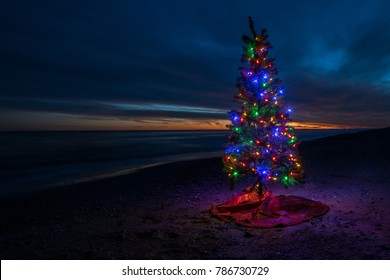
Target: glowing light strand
260,143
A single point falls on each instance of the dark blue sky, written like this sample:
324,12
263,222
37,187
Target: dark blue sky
173,64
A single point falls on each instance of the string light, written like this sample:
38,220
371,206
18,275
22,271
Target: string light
260,142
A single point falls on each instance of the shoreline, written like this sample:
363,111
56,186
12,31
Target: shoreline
85,178
122,168
76,159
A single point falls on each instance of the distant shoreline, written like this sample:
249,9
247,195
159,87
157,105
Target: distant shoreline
166,160
51,176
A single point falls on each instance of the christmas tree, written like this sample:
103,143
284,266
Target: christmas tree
260,143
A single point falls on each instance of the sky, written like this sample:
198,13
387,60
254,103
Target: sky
125,65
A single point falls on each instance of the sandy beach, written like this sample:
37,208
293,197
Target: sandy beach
162,212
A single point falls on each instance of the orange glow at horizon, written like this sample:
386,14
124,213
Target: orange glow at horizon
60,122
221,125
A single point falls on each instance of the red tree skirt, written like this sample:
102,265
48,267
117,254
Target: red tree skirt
265,211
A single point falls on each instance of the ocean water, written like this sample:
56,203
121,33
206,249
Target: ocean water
31,160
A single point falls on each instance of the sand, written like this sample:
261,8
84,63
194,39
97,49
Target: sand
163,212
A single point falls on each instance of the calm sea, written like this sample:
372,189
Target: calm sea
30,160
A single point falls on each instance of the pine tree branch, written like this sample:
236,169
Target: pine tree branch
252,26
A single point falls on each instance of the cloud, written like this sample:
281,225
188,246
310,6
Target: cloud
117,110
353,92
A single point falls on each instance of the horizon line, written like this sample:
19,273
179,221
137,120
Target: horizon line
134,130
